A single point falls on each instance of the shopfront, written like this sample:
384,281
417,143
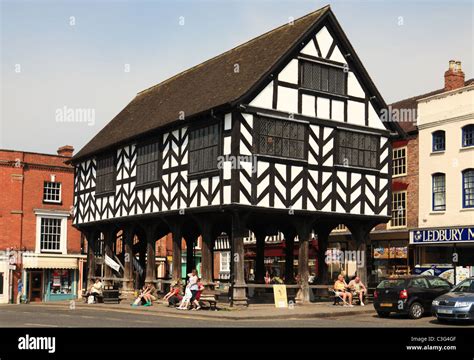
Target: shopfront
445,252
4,279
51,277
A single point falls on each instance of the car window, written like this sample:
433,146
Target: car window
391,283
419,283
439,283
465,286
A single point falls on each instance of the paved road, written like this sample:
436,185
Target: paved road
31,316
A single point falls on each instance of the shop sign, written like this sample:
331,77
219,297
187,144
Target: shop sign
452,235
279,293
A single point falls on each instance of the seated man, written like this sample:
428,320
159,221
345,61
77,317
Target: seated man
96,290
358,288
340,288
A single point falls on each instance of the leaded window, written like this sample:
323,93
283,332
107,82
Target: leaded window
356,149
148,156
280,138
321,77
439,192
203,148
105,181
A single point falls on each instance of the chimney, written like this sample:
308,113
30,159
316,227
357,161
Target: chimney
66,150
454,76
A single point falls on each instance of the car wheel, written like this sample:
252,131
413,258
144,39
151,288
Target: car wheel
383,314
416,310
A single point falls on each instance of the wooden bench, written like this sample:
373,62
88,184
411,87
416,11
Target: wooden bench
111,295
209,297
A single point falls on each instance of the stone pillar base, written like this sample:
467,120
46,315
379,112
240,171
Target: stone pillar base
239,297
128,294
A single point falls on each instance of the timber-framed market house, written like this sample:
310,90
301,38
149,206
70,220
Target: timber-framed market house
280,134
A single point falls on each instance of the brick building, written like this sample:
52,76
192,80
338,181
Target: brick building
37,240
390,251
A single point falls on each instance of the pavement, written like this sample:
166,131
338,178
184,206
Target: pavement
251,312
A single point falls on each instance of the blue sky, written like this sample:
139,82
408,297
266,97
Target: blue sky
405,46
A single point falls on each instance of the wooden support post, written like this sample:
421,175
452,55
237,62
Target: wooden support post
304,234
323,239
190,263
176,265
127,285
260,259
207,254
289,256
150,255
109,238
239,296
360,234
91,237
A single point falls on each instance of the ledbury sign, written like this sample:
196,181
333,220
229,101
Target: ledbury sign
448,235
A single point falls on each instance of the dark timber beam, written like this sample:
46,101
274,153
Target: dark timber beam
303,227
260,258
360,234
150,254
323,240
289,235
239,295
176,262
91,237
109,238
127,236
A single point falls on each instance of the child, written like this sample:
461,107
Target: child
186,299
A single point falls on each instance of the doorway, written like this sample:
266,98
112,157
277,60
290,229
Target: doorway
36,286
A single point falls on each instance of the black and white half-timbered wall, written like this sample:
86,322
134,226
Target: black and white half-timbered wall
281,134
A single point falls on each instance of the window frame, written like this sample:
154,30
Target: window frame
390,223
49,201
159,163
63,218
113,174
433,192
463,175
434,136
322,66
337,150
468,127
256,150
221,262
206,172
405,166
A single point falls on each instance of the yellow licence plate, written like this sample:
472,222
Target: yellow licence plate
385,305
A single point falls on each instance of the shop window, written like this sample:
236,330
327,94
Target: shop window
399,161
468,135
280,138
60,282
439,192
148,156
52,192
50,234
203,149
399,214
105,175
321,77
439,141
355,149
468,188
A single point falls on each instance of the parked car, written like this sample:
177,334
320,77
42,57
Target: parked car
458,304
410,295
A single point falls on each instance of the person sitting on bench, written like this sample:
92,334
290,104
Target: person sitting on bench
340,289
96,290
174,295
358,288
